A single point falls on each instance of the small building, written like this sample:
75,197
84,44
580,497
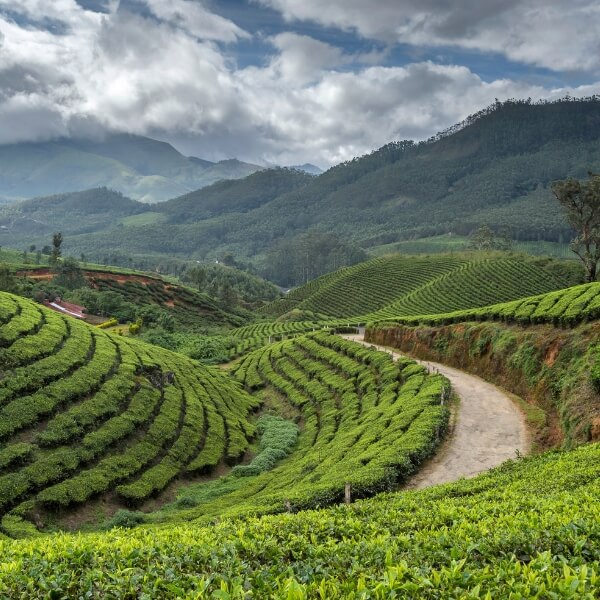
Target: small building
66,308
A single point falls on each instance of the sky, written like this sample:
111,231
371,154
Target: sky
283,81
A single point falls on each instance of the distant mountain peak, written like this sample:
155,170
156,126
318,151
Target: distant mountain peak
140,167
308,168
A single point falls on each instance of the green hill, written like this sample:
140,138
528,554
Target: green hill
413,289
106,213
495,169
84,414
367,421
236,196
37,219
91,422
403,285
565,307
111,292
527,529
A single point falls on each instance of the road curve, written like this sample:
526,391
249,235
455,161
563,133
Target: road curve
487,428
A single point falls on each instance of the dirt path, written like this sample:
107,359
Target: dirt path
488,429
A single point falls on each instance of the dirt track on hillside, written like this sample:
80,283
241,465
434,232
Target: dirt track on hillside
487,429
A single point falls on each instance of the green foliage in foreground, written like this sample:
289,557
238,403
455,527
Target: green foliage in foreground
528,529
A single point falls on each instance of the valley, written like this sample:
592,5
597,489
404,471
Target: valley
402,425
496,168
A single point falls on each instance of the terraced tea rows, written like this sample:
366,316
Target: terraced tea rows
83,413
295,296
465,290
566,307
256,335
377,283
418,285
528,529
366,421
474,284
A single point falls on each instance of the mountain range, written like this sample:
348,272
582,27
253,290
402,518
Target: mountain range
495,168
140,167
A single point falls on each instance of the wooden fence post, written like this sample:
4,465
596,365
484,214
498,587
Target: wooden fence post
347,493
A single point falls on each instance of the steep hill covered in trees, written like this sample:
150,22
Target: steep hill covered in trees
495,168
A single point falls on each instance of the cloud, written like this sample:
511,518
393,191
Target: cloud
123,70
196,20
554,34
153,74
345,114
301,59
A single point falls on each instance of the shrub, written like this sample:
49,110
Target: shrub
126,519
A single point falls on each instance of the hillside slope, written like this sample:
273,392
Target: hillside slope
495,169
84,414
190,309
109,215
404,285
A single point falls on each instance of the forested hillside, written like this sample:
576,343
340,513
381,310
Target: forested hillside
493,169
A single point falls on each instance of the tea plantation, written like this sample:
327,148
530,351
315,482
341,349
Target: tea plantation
84,413
566,308
242,474
529,529
421,285
367,421
416,290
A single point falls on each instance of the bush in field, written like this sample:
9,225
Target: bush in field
278,437
208,349
126,519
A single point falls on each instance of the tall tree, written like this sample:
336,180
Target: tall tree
69,274
228,296
57,240
484,238
197,275
581,202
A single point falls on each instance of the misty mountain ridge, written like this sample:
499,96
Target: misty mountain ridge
495,168
141,168
308,168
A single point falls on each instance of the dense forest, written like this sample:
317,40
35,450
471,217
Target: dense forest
495,169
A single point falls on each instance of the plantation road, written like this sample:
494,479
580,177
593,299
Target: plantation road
488,428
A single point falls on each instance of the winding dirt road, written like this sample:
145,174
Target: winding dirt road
487,428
